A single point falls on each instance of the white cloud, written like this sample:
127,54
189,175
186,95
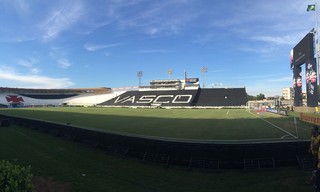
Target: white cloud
57,52
95,47
279,40
29,64
153,18
60,56
19,6
281,79
64,63
107,54
62,18
152,31
34,70
22,5
10,77
153,51
263,50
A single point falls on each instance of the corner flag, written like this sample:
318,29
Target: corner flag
311,7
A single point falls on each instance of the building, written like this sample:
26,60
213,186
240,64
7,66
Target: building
287,93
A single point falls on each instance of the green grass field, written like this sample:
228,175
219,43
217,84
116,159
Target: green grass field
85,169
67,162
202,124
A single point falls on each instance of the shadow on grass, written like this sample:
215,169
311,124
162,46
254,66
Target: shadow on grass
234,128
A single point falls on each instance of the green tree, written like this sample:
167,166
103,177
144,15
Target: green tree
260,96
251,98
14,178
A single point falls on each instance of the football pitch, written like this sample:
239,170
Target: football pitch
83,169
195,124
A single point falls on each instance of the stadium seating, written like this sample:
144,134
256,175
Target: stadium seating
200,97
222,97
49,96
147,98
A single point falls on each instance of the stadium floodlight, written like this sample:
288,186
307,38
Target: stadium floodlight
139,75
169,73
203,71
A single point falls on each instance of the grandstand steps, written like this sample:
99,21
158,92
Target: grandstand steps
204,163
222,97
305,162
259,163
158,158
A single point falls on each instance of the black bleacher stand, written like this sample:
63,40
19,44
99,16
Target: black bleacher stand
216,97
222,97
149,98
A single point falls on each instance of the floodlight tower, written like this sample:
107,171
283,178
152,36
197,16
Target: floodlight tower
169,73
139,75
203,71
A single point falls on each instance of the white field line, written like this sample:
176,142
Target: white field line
274,125
283,137
30,138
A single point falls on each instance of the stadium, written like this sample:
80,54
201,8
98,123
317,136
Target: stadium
171,122
252,151
173,93
76,117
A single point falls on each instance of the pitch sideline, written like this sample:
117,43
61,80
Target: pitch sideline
275,126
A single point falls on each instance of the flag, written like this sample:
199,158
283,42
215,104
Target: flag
311,7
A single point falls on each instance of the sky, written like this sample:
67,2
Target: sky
104,43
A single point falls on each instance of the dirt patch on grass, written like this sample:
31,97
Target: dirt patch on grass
48,184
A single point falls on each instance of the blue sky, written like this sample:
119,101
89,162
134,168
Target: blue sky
104,43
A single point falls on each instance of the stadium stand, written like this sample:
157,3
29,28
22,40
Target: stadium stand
222,97
51,96
20,97
200,97
148,98
169,93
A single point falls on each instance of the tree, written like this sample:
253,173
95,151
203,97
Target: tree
251,98
260,96
14,178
